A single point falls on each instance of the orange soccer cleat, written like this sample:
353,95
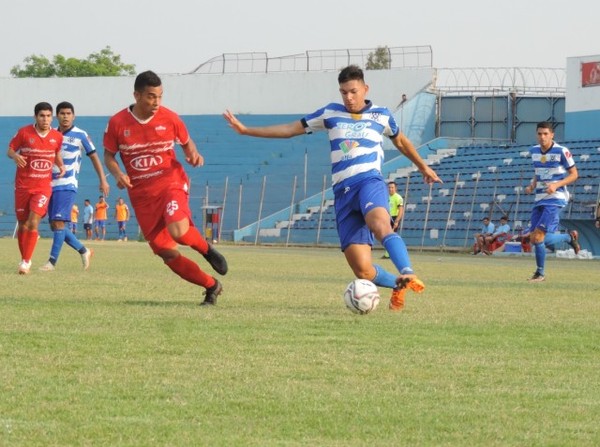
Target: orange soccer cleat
403,283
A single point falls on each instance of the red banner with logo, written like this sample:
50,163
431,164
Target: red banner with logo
590,74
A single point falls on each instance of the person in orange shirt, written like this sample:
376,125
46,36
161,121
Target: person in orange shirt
74,219
100,217
122,216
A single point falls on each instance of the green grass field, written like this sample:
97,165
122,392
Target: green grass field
122,355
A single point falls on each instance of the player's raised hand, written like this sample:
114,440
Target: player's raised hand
430,176
234,123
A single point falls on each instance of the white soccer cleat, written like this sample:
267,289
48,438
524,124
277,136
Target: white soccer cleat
24,268
47,267
85,258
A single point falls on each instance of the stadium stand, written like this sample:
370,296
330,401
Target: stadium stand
475,136
478,181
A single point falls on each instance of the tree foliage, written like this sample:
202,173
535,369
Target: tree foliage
379,59
103,63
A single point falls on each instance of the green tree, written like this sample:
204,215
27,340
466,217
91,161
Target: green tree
380,59
103,63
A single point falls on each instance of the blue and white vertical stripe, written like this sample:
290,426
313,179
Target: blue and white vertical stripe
551,166
75,142
356,140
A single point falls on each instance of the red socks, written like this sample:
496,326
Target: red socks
189,270
194,239
27,242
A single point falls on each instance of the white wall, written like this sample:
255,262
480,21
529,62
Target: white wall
582,104
207,94
578,98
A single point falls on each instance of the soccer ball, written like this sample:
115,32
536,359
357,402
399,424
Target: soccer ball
361,296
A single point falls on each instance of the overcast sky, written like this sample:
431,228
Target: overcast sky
175,36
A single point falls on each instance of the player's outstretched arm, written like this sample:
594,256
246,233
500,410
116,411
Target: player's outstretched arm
405,146
277,131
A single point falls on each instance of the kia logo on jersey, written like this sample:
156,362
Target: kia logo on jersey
146,162
40,165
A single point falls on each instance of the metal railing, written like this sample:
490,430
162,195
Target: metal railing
313,60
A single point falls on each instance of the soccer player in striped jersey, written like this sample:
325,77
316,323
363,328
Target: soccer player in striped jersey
64,189
35,149
356,129
554,169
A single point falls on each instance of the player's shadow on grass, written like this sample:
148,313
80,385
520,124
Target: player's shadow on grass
165,303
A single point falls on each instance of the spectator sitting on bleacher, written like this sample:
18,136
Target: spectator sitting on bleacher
487,229
495,242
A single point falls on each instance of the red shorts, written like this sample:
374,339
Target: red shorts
155,213
31,202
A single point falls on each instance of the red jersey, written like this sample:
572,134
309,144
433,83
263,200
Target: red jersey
147,150
40,153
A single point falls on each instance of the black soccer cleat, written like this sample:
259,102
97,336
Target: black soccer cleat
537,277
216,260
574,241
211,294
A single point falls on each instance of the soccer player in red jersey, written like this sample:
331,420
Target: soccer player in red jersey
35,149
145,134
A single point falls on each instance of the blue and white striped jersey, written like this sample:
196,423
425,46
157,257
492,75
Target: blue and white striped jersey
549,167
355,139
75,142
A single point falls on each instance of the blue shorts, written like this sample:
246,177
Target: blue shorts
351,206
100,223
546,218
60,205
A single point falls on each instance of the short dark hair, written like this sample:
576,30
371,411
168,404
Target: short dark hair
351,73
391,182
545,125
146,79
42,106
64,105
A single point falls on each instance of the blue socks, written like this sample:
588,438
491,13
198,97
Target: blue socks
556,238
396,247
383,278
540,249
72,241
540,257
58,238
